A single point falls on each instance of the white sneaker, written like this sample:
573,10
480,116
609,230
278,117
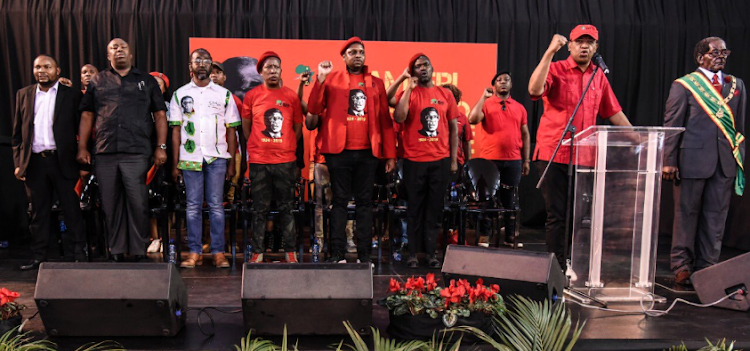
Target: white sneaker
155,246
350,246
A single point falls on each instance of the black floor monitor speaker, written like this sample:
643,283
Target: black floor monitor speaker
722,279
111,299
535,275
310,299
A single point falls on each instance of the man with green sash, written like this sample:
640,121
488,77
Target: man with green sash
705,162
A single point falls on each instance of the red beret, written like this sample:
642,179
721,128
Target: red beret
352,40
265,56
584,29
162,76
414,59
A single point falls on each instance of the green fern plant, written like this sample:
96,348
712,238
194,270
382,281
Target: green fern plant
24,342
247,343
680,347
378,343
720,346
102,346
442,344
531,326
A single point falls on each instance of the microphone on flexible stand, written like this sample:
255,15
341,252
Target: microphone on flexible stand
600,62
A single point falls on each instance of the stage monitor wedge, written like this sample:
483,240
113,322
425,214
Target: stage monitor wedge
535,275
110,299
722,279
310,299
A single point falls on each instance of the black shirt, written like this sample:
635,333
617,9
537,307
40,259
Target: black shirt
122,109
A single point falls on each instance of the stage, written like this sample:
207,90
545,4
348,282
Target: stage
211,287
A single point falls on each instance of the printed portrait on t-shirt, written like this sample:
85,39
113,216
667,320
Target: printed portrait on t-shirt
430,120
357,102
274,120
187,103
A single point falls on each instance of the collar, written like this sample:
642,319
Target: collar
210,85
54,87
570,64
710,74
508,101
132,70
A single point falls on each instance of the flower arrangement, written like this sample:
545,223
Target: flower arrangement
8,307
458,299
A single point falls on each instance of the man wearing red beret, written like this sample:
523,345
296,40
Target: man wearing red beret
350,110
560,85
430,136
272,123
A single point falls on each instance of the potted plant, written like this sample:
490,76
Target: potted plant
10,311
419,307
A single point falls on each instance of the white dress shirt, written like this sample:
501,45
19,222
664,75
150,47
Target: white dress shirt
44,113
710,75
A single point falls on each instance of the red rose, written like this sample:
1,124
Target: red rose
728,79
495,288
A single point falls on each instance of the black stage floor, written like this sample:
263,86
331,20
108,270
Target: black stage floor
209,287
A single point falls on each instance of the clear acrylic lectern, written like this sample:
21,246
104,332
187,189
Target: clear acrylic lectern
616,210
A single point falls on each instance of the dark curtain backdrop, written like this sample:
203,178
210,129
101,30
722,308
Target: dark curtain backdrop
646,43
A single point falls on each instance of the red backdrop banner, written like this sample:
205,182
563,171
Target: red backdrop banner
468,66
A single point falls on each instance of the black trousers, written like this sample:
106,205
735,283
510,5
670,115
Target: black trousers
425,188
275,181
352,172
555,193
43,175
122,185
510,175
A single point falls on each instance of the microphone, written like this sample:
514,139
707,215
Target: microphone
600,62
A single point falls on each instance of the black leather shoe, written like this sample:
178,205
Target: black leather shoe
116,258
33,264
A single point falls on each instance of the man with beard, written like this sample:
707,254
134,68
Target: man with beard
560,85
705,161
88,71
351,144
122,100
44,146
505,138
202,152
427,158
272,158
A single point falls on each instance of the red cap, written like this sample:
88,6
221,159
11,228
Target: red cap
352,40
584,29
162,76
266,55
414,59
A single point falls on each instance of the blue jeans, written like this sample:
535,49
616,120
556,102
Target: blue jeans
211,179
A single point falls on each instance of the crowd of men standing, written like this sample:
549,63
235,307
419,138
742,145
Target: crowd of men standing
119,124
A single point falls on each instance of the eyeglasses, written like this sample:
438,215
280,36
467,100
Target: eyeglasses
717,53
502,103
204,62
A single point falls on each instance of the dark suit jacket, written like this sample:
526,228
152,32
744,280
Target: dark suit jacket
702,142
64,127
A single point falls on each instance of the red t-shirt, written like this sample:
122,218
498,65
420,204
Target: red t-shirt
273,114
426,134
562,89
501,137
238,102
464,135
357,133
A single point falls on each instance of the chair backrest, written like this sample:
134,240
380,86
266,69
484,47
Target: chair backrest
482,179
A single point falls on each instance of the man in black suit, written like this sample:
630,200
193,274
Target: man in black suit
707,163
45,125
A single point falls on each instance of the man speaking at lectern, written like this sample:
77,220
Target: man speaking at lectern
707,163
560,85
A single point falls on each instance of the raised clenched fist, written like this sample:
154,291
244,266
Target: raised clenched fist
558,41
324,68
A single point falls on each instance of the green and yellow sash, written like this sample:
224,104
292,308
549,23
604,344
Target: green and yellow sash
717,109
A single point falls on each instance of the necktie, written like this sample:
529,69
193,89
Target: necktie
716,83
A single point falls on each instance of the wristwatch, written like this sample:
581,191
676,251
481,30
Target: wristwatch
162,146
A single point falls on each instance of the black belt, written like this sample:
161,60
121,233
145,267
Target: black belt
47,153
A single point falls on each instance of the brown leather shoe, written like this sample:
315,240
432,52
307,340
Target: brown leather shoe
220,261
192,260
683,278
